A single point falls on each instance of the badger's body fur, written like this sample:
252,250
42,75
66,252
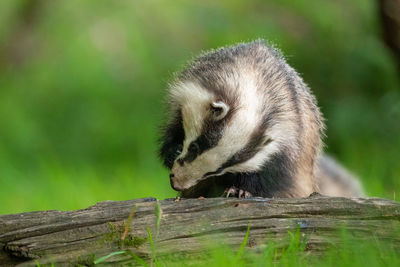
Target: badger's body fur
243,122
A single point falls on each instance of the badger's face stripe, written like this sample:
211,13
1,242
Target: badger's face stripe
251,149
172,140
205,118
257,141
216,173
201,144
210,135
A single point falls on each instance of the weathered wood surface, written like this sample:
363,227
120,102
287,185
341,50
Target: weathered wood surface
186,226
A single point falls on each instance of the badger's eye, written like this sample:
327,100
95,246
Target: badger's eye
194,147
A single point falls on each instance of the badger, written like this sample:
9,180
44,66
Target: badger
241,122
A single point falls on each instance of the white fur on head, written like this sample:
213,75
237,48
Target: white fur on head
195,102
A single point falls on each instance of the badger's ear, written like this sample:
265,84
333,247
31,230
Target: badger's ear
219,110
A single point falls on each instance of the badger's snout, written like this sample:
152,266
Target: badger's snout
171,181
183,176
176,183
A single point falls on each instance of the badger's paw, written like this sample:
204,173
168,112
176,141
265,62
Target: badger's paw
240,193
231,191
244,194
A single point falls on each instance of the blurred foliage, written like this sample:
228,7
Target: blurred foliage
82,86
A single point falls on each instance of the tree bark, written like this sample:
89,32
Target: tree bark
20,43
184,227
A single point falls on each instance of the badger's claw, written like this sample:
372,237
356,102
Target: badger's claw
240,193
244,194
230,191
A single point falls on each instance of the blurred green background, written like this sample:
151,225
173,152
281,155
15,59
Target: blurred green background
82,85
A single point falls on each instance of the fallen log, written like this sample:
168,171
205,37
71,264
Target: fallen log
183,227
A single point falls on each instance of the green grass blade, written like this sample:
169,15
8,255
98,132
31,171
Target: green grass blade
158,211
153,250
244,243
138,259
104,258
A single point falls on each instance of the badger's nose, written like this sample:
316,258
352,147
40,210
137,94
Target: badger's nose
171,175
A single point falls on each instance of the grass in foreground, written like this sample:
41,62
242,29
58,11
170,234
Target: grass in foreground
347,252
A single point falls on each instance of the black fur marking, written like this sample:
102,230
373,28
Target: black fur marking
210,135
209,138
208,174
274,179
180,162
171,141
257,141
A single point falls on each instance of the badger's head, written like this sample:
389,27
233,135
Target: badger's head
231,111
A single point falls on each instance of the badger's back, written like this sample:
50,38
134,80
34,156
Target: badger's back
332,179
